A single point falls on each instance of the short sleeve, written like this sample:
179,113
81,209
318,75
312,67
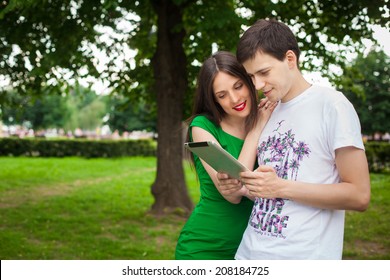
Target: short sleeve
206,124
344,125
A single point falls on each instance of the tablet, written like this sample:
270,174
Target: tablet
216,157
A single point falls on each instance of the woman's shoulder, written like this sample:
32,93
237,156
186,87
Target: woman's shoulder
202,120
207,124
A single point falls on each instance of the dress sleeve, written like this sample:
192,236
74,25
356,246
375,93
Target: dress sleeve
206,124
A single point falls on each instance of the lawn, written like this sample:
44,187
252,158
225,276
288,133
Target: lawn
76,208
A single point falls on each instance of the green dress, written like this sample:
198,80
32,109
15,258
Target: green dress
215,227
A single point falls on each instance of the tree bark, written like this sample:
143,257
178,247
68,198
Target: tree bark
169,66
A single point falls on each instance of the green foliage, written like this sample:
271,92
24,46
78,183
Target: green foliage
49,35
87,109
128,116
378,153
53,36
47,111
81,108
83,148
366,83
378,156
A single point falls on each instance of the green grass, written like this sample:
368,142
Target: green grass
367,233
76,208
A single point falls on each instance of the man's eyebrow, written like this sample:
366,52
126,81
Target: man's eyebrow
258,71
262,69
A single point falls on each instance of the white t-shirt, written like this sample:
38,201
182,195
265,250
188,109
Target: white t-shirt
299,141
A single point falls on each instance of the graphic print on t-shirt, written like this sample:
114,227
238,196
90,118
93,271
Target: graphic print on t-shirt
284,153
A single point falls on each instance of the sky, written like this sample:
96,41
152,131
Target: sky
383,36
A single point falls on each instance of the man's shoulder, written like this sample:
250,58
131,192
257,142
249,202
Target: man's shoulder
327,94
324,89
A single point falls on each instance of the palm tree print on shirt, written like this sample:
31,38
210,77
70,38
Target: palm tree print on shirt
283,152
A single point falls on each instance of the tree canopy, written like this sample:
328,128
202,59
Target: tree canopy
47,41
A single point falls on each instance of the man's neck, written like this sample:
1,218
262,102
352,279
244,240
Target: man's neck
298,87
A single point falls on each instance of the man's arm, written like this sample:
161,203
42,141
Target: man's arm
352,193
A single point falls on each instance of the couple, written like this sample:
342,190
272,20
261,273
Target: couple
310,168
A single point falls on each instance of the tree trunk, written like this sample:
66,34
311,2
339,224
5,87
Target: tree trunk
169,66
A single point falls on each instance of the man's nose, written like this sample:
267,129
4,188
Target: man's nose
258,82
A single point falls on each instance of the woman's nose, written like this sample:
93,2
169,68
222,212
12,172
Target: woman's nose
234,97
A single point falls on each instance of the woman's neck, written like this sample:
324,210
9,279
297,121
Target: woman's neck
234,126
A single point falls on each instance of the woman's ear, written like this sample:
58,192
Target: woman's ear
291,59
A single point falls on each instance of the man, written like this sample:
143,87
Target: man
312,164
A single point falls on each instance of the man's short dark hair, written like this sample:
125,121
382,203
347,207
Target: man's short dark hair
267,36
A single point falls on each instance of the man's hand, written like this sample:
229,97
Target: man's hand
263,182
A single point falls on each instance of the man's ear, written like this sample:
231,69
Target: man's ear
291,59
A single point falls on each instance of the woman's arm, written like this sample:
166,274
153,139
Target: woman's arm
199,135
232,189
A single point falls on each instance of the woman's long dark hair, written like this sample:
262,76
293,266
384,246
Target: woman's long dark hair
205,101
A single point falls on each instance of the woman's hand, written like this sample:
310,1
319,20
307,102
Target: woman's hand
227,185
265,109
230,188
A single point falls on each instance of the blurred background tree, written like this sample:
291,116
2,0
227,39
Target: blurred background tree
80,108
52,43
366,83
124,115
48,111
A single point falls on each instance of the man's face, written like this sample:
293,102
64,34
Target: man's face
271,76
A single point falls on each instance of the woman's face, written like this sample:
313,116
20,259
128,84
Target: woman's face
232,94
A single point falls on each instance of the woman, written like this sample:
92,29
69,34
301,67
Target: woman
226,112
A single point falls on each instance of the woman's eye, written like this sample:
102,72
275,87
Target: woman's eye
238,86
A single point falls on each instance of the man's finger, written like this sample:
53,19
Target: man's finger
264,168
